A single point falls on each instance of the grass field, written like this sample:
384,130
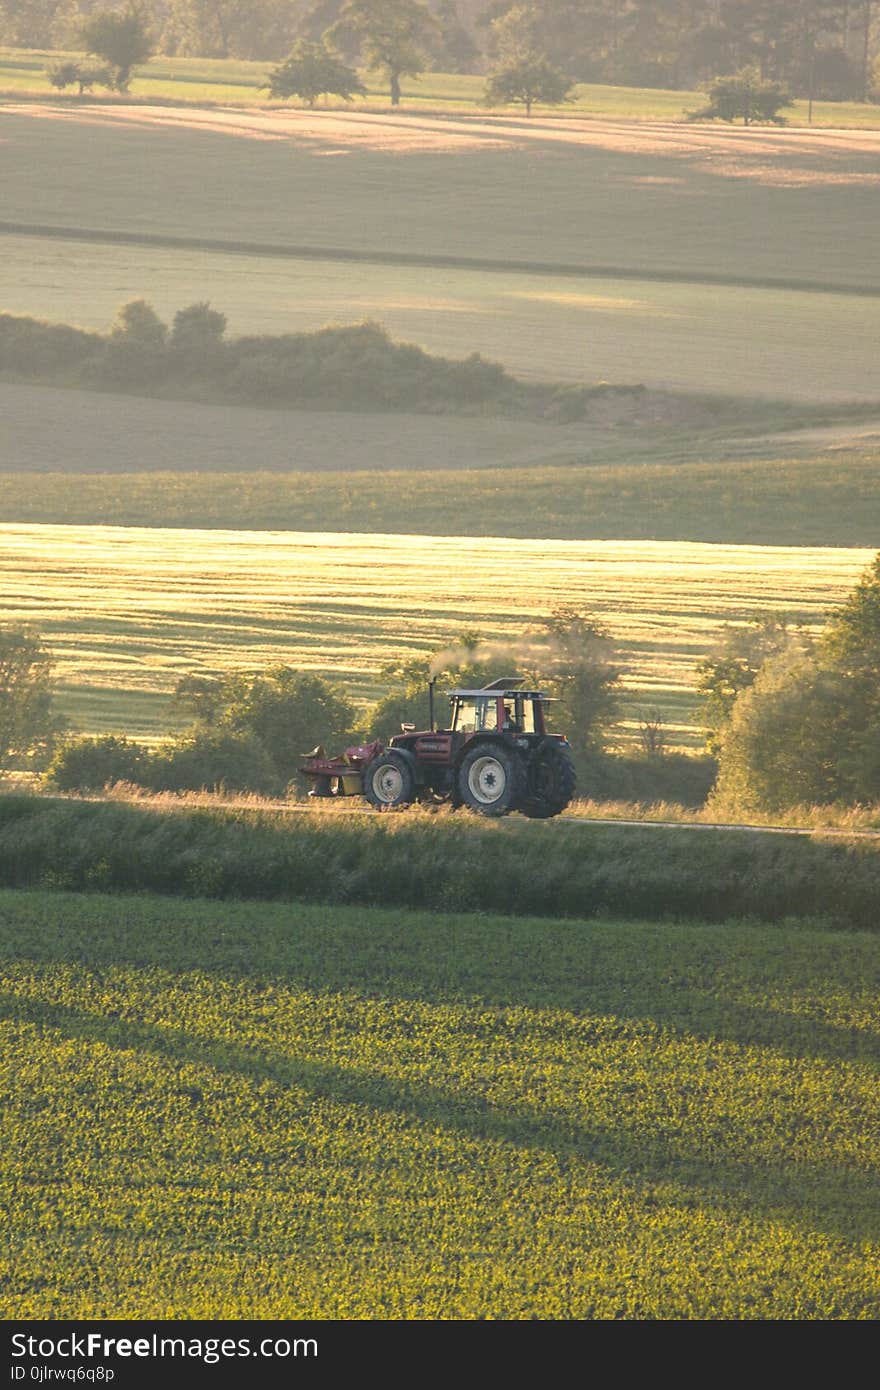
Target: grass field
128,611
662,200
745,341
237,80
234,1111
477,478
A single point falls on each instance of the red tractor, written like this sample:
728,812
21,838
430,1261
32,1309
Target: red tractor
496,756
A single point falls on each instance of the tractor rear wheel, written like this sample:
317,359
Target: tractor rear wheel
551,784
491,779
389,781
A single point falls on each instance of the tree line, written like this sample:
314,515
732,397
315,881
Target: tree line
791,719
824,48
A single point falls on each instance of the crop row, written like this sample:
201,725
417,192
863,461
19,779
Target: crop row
254,1110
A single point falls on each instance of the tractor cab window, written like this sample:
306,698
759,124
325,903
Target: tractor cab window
474,715
525,714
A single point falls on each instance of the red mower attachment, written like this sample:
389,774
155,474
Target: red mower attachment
342,775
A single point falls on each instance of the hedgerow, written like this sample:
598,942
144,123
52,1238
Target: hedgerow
418,859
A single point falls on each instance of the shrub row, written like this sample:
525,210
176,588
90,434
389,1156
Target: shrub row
352,367
204,760
214,759
447,863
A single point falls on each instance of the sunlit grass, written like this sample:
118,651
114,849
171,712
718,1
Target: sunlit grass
241,81
830,499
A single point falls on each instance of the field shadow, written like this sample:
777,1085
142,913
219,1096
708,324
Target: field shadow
623,972
796,1194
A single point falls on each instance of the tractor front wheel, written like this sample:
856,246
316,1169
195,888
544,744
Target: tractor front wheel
389,781
491,780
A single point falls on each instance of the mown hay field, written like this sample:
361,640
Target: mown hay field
724,339
273,1111
128,611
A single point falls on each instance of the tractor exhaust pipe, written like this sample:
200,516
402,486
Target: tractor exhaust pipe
431,683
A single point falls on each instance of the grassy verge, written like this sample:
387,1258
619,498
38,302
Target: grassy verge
253,1111
446,862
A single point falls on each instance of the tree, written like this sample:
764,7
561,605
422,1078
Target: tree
449,45
389,34
122,40
523,74
212,760
136,350
731,668
28,724
744,95
788,740
806,730
527,82
196,340
312,70
75,75
579,666
287,711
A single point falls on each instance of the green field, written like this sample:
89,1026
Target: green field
22,71
711,476
257,1111
742,204
678,337
129,611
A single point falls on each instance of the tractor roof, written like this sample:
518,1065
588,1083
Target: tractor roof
499,688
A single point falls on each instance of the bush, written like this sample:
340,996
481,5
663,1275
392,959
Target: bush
744,96
88,764
213,760
678,778
32,347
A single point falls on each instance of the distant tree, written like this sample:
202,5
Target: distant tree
580,667
312,70
122,40
522,74
84,764
731,667
808,728
28,723
196,340
745,96
287,711
525,83
449,45
212,759
390,35
64,75
787,735
135,352
199,698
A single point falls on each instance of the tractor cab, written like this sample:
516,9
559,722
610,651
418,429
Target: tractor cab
498,708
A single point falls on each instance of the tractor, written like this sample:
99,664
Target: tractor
496,756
